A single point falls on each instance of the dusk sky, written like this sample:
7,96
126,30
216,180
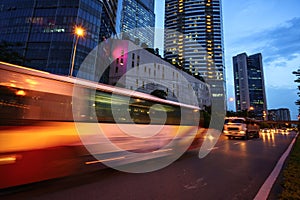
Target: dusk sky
270,27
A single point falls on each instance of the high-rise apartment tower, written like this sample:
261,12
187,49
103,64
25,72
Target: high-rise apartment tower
249,84
194,40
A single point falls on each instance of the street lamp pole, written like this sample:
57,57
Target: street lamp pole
249,111
73,56
79,32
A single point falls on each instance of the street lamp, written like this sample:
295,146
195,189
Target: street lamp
250,111
79,32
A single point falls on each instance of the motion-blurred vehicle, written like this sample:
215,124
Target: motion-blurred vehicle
39,139
240,127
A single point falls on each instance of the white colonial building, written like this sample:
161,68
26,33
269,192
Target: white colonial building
138,69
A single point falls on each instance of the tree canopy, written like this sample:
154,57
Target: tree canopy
297,73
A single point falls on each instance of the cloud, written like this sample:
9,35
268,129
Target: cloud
278,72
284,41
280,41
280,47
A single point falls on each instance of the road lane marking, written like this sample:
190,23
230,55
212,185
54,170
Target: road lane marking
265,189
198,184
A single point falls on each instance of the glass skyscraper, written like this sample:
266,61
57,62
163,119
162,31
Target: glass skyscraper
41,31
136,20
194,40
249,84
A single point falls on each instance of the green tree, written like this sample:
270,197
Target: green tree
297,73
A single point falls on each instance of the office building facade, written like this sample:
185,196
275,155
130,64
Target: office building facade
194,40
249,84
136,21
42,32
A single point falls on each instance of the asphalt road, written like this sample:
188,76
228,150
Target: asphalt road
234,169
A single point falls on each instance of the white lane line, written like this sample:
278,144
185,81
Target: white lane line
265,189
236,143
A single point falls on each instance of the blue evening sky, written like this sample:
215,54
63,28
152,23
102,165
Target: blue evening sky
270,27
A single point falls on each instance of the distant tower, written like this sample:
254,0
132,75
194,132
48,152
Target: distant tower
249,84
194,40
136,21
281,114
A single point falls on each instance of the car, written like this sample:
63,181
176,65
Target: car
240,127
265,130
